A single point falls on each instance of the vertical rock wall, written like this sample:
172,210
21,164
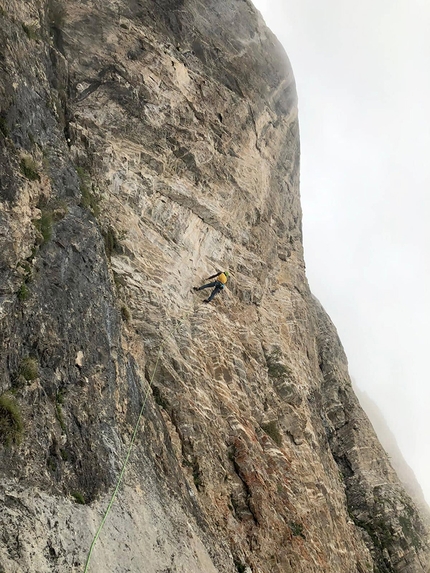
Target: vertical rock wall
143,146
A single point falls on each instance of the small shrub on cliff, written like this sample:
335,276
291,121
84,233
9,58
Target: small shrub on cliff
60,417
119,280
44,226
125,313
197,475
29,369
112,244
60,396
271,430
23,293
240,567
88,198
78,497
29,168
275,368
51,213
11,426
64,455
297,529
31,31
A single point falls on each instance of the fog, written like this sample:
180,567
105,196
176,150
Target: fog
363,81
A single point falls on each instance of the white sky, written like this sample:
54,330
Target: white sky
363,78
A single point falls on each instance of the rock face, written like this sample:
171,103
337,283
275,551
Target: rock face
143,146
389,443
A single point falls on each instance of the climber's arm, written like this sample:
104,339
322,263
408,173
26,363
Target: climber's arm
214,276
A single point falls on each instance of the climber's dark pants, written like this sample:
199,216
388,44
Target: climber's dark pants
218,288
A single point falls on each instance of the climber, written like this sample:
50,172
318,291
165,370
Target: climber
218,284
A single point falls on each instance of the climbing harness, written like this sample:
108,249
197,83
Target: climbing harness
136,428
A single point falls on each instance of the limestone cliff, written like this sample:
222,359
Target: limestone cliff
389,443
144,145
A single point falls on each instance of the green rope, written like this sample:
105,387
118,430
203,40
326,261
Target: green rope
121,475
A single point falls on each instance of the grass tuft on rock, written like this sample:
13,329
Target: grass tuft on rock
44,226
11,426
125,313
51,213
29,369
88,199
78,497
23,293
60,416
112,242
29,168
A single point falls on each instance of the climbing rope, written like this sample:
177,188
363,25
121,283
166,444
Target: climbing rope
136,427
